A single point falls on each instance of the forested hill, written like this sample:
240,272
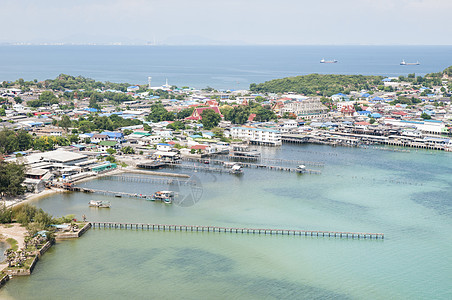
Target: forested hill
317,84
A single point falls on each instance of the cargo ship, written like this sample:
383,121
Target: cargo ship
323,61
404,63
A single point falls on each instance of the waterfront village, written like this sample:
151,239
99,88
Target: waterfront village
57,132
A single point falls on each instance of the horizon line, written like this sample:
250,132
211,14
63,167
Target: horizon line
201,44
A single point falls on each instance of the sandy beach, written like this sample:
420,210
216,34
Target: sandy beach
15,231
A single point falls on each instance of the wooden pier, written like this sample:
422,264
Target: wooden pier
263,231
109,193
156,180
275,160
244,165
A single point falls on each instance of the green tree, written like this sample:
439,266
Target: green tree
11,178
238,115
24,140
210,119
73,138
263,114
25,213
159,113
94,99
128,150
65,122
425,116
127,131
111,151
177,125
6,214
184,113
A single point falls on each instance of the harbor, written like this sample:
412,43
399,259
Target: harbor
357,191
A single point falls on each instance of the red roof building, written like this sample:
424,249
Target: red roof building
251,117
348,110
196,115
199,147
212,102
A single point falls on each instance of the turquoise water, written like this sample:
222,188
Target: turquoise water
221,67
404,195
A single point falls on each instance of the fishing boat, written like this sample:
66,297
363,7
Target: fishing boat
301,169
404,63
164,196
323,61
99,204
236,169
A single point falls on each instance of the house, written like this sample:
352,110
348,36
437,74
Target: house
208,135
133,88
104,145
114,136
97,138
200,148
164,147
340,97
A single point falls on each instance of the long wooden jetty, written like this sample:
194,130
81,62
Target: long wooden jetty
141,179
109,193
264,231
245,165
278,160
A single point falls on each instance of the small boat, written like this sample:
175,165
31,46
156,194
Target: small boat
164,196
404,63
236,169
99,204
301,169
323,61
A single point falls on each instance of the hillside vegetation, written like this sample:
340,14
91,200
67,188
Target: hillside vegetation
317,84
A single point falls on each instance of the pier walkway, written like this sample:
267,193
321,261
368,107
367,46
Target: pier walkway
277,160
109,193
264,231
242,164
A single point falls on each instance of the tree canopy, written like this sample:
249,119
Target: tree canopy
159,113
210,119
11,178
12,141
317,84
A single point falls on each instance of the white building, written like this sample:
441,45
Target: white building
306,108
257,135
426,126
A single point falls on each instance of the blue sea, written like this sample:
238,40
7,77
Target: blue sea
406,196
221,67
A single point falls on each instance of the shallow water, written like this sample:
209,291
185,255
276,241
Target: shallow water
404,195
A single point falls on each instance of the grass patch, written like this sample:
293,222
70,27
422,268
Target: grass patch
7,225
13,243
26,264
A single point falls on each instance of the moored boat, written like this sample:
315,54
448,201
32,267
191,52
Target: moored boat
301,169
99,204
236,169
164,196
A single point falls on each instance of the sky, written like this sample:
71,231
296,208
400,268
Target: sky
228,22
